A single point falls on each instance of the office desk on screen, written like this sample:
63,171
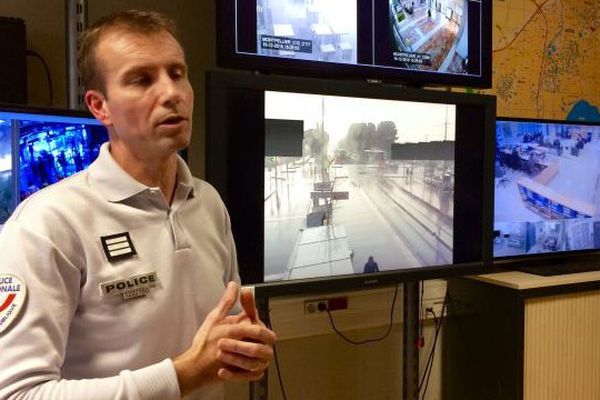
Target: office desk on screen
513,335
548,202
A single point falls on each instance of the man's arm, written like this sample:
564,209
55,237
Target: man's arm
226,347
33,347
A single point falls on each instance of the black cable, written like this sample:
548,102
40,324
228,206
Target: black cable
435,318
429,365
360,342
277,367
48,76
421,314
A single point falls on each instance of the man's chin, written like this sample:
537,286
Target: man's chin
179,143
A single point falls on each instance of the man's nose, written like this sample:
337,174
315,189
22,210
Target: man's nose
169,90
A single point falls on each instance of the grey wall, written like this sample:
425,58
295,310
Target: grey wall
45,21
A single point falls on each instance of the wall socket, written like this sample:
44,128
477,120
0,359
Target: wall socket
321,305
314,306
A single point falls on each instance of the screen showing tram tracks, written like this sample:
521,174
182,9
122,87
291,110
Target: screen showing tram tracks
344,184
353,184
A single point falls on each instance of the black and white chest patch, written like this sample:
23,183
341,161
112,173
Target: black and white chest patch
118,247
130,287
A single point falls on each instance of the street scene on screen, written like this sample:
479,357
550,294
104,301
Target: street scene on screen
341,204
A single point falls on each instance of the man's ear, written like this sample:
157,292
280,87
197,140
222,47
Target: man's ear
96,103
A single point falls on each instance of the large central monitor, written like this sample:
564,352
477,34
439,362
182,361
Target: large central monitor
418,42
547,195
349,184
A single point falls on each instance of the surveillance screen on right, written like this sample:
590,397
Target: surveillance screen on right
547,187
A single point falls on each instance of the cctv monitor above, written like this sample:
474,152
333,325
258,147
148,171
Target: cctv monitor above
419,43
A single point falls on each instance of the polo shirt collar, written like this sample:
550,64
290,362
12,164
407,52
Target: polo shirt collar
116,185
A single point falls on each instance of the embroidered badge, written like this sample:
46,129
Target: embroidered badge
118,247
130,288
12,297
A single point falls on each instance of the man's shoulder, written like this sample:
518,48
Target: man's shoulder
63,195
205,190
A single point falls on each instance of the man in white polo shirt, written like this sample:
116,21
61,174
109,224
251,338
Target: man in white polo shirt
119,282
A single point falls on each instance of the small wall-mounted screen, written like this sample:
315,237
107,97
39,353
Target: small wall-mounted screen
44,146
54,147
7,201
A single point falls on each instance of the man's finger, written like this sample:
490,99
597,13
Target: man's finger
236,319
251,333
254,350
241,362
230,374
248,304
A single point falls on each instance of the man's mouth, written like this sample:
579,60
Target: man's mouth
172,120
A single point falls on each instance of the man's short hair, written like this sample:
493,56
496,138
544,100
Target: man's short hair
133,21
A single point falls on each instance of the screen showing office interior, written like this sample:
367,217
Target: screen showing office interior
547,187
424,40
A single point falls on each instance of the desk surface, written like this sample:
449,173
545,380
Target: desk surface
556,197
522,281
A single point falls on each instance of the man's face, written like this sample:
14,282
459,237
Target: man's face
148,100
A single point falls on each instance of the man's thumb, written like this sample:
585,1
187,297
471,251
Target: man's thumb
226,303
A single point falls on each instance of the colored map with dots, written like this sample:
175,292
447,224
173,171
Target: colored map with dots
546,58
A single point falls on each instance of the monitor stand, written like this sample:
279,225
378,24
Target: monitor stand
557,265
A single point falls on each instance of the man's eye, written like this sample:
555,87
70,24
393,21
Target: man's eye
140,81
177,74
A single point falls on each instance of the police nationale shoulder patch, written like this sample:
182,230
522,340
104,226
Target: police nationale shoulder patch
12,297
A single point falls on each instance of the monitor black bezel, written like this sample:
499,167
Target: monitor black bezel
540,261
227,57
61,112
218,83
